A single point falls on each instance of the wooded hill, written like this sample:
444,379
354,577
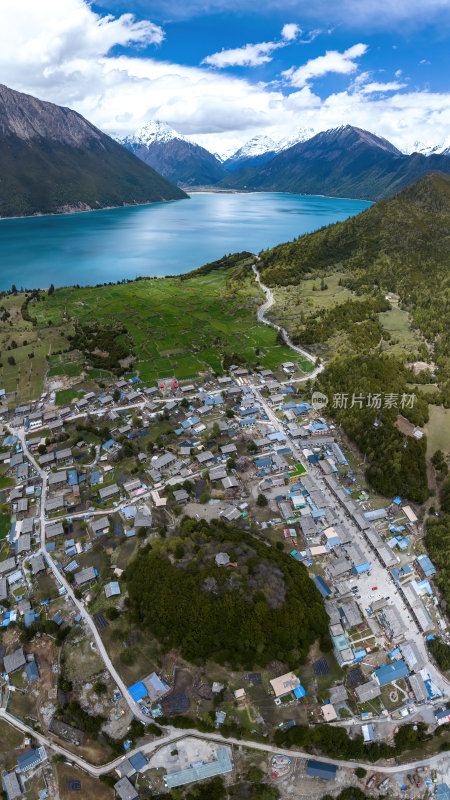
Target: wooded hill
264,607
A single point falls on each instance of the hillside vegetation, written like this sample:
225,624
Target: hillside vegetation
399,245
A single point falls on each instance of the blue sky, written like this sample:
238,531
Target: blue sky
222,76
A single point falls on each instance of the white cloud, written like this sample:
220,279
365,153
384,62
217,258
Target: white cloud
332,61
60,50
290,31
253,55
250,55
375,86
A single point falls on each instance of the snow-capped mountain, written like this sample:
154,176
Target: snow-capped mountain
153,131
172,154
300,135
262,149
442,149
256,151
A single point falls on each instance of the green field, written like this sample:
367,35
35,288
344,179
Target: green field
173,326
437,430
404,338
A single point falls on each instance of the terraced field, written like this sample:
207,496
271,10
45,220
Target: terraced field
176,327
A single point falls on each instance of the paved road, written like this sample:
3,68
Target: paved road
437,761
262,318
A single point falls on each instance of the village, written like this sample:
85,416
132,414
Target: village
85,486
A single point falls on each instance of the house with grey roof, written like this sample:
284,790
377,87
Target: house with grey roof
143,520
27,525
181,496
22,504
11,785
106,492
367,691
56,479
217,473
3,589
14,661
23,543
125,789
37,564
227,449
230,514
419,688
85,576
54,530
204,457
46,459
55,504
64,455
7,565
99,525
163,462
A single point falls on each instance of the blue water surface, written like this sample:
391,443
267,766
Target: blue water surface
159,239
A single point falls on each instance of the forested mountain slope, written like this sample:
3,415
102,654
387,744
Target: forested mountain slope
53,160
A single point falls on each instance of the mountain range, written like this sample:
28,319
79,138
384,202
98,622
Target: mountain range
54,161
343,162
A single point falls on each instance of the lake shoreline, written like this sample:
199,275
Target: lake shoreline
76,210
156,239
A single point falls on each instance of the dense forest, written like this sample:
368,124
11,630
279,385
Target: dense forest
397,463
320,325
438,541
263,607
336,743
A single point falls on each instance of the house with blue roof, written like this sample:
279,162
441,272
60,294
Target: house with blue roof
72,477
31,759
323,587
138,761
109,445
32,671
30,618
137,691
426,565
391,672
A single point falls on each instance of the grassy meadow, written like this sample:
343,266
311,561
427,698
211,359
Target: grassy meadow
178,327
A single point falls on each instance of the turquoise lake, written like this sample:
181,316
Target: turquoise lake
159,239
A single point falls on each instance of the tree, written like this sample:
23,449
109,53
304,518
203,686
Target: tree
51,289
11,361
262,500
360,772
100,688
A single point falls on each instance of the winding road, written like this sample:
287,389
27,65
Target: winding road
262,318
